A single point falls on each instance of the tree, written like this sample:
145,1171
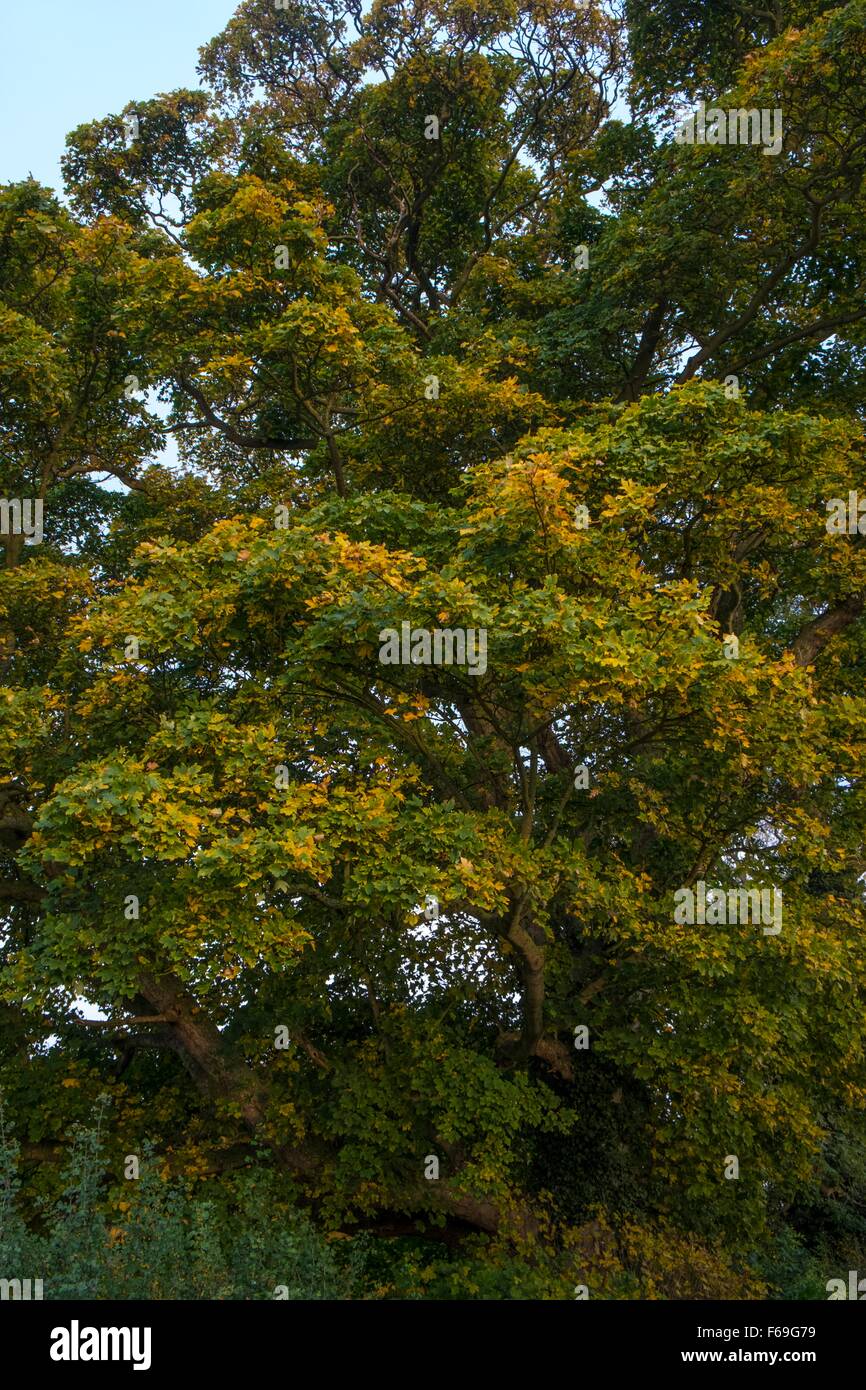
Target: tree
423,380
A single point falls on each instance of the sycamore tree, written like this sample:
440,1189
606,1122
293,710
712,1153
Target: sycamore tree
418,319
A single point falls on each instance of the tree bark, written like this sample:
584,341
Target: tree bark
813,638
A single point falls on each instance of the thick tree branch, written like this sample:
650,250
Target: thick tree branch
813,638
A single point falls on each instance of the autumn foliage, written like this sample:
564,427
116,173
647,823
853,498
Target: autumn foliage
286,371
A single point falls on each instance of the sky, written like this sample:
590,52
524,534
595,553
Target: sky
64,62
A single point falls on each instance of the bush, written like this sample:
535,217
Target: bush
169,1244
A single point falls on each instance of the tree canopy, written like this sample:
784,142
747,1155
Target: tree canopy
418,314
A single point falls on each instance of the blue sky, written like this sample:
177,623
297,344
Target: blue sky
63,62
